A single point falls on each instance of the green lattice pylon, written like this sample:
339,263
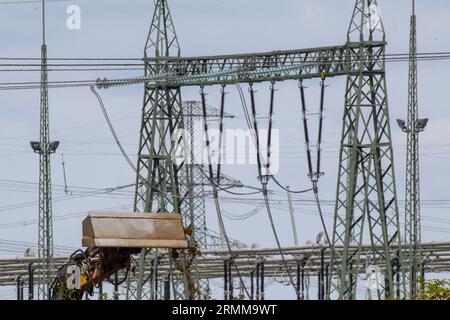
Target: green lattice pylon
366,190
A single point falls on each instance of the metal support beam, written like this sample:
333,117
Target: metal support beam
19,288
30,281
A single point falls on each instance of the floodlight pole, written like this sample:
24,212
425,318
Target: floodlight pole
414,125
44,148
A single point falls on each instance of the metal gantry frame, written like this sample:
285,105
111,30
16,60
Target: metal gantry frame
307,260
366,189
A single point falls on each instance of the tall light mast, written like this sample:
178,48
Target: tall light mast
44,148
412,127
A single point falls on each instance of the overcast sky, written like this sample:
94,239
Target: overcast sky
119,28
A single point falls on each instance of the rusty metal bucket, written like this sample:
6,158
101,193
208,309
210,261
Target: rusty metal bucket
133,230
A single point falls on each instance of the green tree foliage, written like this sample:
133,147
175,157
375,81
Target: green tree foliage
435,290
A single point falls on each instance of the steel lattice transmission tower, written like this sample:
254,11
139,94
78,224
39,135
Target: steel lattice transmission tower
196,173
44,148
413,126
194,170
193,118
161,180
366,190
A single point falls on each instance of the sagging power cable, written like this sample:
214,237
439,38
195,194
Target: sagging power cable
269,134
130,163
315,175
250,126
215,182
113,132
289,190
211,177
264,178
269,143
122,150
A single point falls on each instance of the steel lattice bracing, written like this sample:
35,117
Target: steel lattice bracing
366,192
194,186
252,67
246,258
366,188
256,67
45,237
194,128
196,181
413,259
160,178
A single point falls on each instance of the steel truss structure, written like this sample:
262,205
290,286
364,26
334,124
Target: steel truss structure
194,128
306,262
366,189
160,180
196,176
366,179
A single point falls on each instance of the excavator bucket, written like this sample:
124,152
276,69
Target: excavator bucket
133,230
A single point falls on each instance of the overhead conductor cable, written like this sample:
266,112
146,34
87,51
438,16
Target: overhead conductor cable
211,177
264,179
315,175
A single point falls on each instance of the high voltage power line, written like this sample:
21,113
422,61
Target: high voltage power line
107,191
69,67
400,57
388,56
60,217
29,1
282,205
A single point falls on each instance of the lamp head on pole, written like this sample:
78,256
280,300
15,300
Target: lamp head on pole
421,124
402,125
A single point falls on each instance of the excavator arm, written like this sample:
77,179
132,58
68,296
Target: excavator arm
112,238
